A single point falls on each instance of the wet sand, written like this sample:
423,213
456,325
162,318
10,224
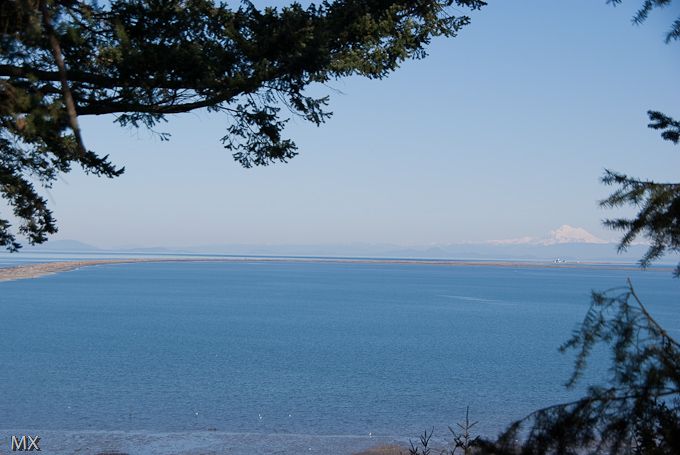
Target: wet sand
22,272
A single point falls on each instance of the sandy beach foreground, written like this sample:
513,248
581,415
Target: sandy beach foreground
206,442
21,272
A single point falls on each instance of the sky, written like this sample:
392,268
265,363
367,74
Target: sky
500,133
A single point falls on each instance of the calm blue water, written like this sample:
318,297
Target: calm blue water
278,348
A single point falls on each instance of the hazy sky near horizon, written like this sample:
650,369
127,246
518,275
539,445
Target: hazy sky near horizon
502,132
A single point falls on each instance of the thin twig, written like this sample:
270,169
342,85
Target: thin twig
650,318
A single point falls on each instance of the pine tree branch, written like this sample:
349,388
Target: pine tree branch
66,90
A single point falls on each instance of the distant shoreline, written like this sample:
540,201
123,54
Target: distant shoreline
22,272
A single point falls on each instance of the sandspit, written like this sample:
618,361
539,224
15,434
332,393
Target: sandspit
48,268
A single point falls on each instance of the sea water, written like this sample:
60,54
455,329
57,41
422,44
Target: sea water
265,357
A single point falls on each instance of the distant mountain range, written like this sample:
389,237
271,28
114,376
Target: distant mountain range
62,246
565,243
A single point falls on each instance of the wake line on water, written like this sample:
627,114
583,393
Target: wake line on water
477,299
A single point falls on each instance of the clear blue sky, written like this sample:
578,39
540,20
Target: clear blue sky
501,132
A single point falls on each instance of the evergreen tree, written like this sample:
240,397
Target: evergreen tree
637,411
140,60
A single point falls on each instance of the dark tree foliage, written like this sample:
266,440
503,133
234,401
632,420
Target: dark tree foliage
643,13
658,217
637,412
141,60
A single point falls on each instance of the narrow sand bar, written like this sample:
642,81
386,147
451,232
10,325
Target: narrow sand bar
21,272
